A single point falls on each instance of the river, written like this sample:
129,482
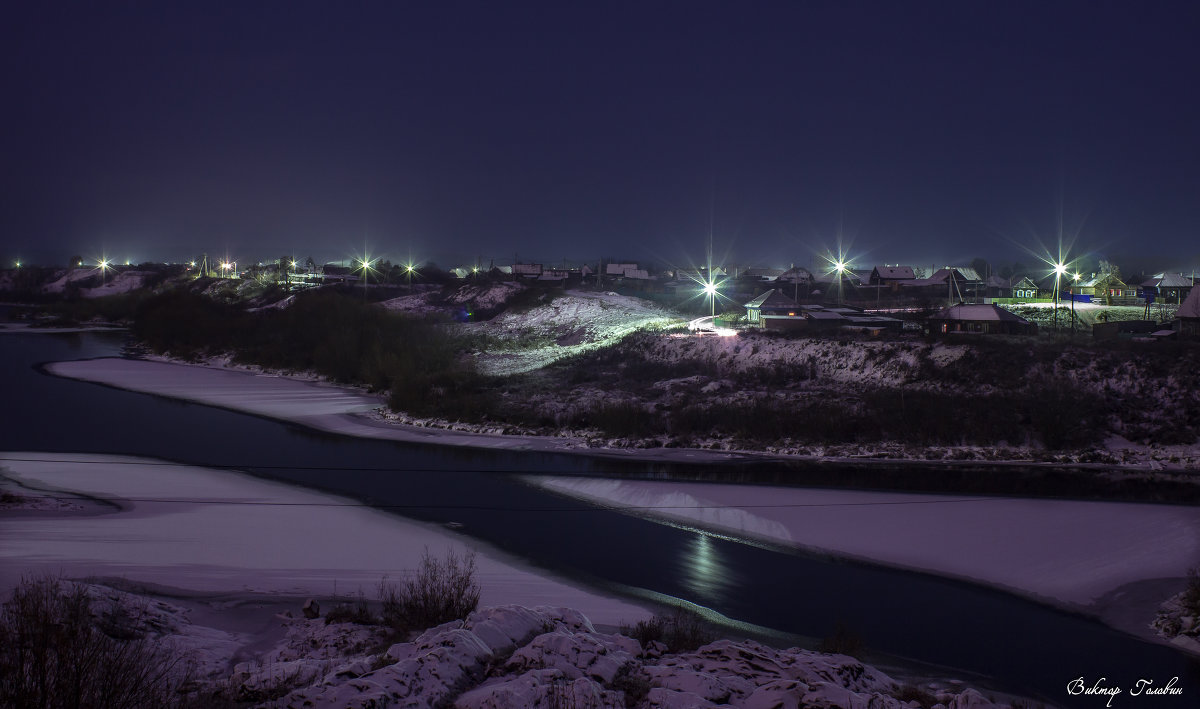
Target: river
973,631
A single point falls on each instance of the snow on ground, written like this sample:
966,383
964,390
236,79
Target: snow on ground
516,657
256,393
112,284
246,534
120,282
415,304
322,406
569,324
1073,552
478,298
351,412
1088,314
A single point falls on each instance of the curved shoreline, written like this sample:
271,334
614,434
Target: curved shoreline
333,409
357,415
218,531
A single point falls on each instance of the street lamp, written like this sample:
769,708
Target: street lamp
1059,270
840,267
710,290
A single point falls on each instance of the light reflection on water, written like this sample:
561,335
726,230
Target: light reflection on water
704,572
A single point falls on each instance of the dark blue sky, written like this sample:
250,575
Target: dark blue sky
924,131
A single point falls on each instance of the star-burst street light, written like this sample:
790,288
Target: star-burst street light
1060,269
710,292
366,266
839,266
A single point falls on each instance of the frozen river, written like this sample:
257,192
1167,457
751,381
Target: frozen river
1022,645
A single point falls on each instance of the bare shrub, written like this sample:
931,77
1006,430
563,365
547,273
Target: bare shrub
55,653
440,590
679,631
1190,600
844,641
352,611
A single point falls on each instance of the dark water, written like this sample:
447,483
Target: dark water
1023,646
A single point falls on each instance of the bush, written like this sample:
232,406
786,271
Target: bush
437,592
356,611
1190,602
679,631
843,642
54,653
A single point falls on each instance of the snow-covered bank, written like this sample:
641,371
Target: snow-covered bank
214,530
515,657
318,405
24,328
1068,552
344,410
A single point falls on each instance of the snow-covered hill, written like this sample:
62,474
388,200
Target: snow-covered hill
560,326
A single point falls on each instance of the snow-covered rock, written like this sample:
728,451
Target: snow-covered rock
510,657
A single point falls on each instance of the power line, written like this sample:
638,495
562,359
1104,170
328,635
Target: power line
602,506
598,505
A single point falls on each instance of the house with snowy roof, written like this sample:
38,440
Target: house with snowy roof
1022,287
1107,288
773,302
1189,315
891,277
1169,287
951,282
991,319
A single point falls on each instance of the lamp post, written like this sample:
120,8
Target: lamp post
1074,281
840,267
1059,270
710,290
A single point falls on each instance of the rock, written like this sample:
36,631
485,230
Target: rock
654,649
311,609
661,698
971,699
556,658
540,688
591,655
713,687
254,682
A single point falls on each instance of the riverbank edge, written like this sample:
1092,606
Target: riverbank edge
358,425
867,471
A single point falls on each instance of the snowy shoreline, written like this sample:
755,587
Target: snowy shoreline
218,531
309,401
341,410
1114,561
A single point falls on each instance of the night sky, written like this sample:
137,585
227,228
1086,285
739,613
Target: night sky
918,131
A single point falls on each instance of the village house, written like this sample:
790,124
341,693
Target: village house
964,318
528,271
773,302
955,283
1169,287
1106,288
1189,315
891,277
1023,287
